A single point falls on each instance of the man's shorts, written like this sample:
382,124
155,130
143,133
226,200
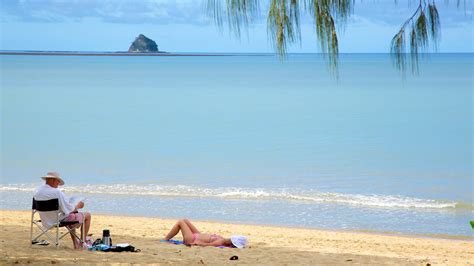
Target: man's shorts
73,217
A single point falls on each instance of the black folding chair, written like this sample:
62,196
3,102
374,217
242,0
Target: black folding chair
50,206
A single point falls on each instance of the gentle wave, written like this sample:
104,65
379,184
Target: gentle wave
381,201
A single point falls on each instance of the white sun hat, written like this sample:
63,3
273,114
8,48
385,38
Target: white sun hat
238,241
54,175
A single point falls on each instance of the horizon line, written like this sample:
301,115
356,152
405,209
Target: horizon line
164,53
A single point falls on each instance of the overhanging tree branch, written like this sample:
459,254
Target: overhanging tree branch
283,25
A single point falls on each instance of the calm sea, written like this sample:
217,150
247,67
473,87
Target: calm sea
248,139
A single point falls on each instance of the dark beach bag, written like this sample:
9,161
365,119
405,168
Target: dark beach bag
128,248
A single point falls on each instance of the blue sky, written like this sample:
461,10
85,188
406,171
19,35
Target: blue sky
183,26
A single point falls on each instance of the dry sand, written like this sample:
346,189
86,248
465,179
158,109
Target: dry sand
268,245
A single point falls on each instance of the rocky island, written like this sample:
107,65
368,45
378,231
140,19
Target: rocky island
142,44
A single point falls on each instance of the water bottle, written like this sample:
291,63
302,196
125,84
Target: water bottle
106,240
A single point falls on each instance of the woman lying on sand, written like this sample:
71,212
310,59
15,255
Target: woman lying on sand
192,236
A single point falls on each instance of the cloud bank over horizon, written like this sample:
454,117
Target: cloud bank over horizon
111,11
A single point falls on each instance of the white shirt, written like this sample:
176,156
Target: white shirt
47,192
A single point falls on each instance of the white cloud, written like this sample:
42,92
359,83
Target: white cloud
118,11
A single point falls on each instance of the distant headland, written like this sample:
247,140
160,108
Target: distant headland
93,53
141,46
86,53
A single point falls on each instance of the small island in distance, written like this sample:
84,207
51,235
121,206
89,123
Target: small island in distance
142,44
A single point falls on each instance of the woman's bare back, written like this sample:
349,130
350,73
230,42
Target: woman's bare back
205,238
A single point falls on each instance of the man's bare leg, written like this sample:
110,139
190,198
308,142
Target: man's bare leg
75,242
87,224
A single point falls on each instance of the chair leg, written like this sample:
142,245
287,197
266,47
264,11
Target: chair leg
31,229
57,236
83,228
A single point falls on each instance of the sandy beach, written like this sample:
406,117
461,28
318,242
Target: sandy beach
268,245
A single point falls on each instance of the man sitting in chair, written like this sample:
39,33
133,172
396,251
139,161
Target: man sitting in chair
68,212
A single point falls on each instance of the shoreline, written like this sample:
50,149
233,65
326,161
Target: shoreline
267,245
436,222
340,230
462,231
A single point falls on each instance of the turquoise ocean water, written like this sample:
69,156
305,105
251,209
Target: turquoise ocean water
246,139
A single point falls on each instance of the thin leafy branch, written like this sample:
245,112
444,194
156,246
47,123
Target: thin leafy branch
423,26
238,13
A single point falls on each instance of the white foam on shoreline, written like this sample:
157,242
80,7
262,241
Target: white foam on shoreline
236,193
